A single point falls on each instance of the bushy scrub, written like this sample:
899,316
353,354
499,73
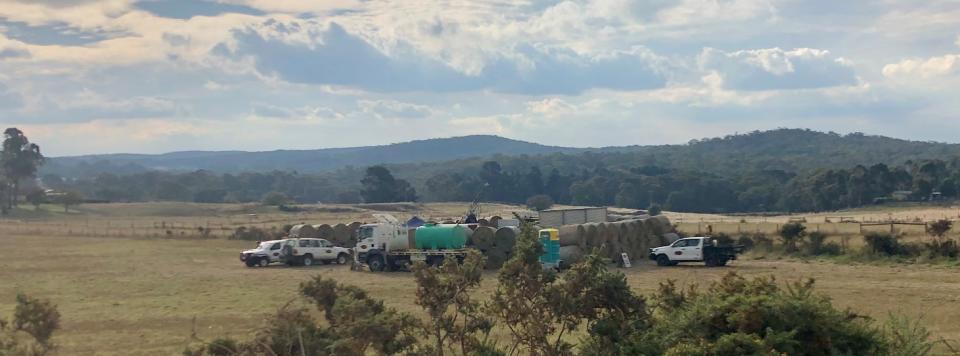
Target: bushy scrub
31,330
817,245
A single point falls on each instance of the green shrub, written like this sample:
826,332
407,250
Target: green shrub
792,233
30,331
884,244
540,202
746,241
275,199
740,316
722,239
762,242
654,210
816,245
942,248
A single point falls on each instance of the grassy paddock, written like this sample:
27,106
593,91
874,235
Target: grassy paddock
139,296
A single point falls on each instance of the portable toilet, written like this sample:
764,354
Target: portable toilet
550,238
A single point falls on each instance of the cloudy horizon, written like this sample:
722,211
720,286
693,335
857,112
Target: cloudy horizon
107,76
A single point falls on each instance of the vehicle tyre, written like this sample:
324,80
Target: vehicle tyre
263,262
343,259
250,262
307,260
722,262
376,263
663,261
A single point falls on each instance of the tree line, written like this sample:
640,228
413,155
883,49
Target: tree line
580,179
628,187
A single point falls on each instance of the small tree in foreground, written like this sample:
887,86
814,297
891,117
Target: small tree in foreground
30,331
541,309
457,321
354,324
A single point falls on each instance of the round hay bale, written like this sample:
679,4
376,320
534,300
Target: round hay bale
591,230
611,243
495,221
571,254
483,222
505,238
341,234
324,231
482,238
602,237
571,235
670,238
660,224
354,233
626,238
303,231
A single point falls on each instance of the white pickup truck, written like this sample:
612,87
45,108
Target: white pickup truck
695,249
295,252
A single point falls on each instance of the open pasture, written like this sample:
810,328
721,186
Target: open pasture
143,296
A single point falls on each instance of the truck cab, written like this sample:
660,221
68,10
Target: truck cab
386,235
694,249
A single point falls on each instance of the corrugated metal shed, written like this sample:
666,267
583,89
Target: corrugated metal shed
572,216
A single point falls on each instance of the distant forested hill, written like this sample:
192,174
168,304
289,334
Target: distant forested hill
779,170
793,150
304,161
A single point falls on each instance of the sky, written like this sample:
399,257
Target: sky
107,76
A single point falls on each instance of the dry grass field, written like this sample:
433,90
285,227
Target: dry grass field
125,292
137,296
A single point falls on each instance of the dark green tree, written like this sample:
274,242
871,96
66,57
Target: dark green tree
20,160
379,186
36,197
540,202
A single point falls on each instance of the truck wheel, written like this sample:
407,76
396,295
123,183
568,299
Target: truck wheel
722,262
307,260
663,261
263,262
250,262
343,259
376,263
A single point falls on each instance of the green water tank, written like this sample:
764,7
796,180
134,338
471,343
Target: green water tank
441,237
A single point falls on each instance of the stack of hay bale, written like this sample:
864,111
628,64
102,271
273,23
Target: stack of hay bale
303,231
495,244
635,237
324,231
345,235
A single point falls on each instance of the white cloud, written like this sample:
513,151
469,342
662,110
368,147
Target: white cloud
571,72
394,109
550,106
775,68
924,68
12,48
